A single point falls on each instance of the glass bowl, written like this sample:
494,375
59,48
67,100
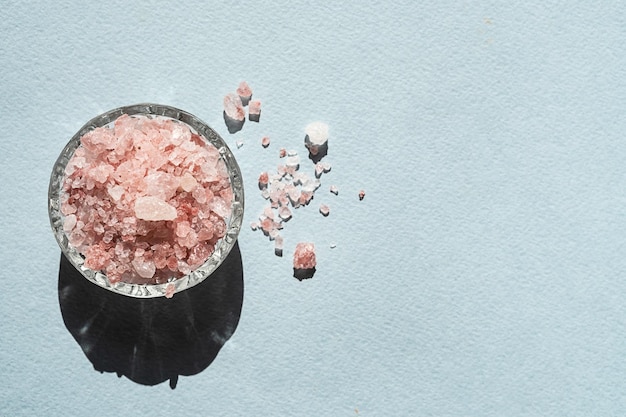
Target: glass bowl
222,247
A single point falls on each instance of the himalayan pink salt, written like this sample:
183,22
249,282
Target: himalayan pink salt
263,179
334,189
244,92
152,212
319,169
153,208
170,290
282,153
284,213
324,210
265,142
233,107
278,245
361,195
254,111
254,225
304,256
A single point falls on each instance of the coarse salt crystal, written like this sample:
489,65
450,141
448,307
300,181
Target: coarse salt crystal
304,256
254,111
233,107
239,144
153,209
282,153
361,195
317,133
244,92
334,190
265,142
324,210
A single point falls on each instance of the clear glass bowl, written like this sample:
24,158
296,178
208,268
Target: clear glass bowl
223,246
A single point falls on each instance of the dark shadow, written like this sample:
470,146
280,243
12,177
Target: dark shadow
316,152
152,340
303,273
233,125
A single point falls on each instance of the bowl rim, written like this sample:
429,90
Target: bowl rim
223,246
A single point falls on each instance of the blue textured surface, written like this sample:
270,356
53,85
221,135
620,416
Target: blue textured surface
482,275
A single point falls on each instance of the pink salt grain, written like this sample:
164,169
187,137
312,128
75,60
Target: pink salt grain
265,142
170,290
324,210
304,256
334,190
244,92
282,153
361,195
233,107
254,110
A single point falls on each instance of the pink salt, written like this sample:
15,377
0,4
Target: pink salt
255,107
233,107
244,92
265,142
334,190
324,210
282,153
155,209
361,195
170,290
304,256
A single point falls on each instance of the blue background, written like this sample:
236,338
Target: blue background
482,275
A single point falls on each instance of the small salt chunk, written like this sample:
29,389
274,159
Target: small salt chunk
278,245
326,166
170,289
263,180
154,209
324,210
282,153
265,142
144,268
254,111
284,213
361,195
244,92
319,169
304,256
317,133
188,182
333,245
254,225
293,161
233,107
239,144
334,190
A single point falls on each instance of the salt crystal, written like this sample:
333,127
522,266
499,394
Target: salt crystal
317,133
244,92
304,256
324,210
170,290
319,169
254,225
333,245
265,142
263,180
239,144
334,190
153,209
233,107
188,182
144,268
361,195
282,153
326,166
254,111
278,245
293,161
284,213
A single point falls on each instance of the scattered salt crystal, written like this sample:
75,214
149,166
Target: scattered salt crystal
265,142
326,166
278,245
254,111
317,133
324,210
153,209
334,190
273,233
319,169
244,92
293,161
361,195
239,144
254,225
263,180
333,245
304,256
282,153
284,213
233,107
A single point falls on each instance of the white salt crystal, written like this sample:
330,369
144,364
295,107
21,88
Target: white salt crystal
317,133
154,209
